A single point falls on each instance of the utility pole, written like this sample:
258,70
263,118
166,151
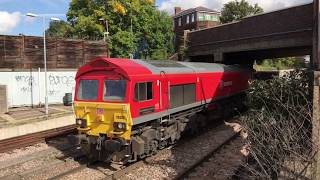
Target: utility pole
131,29
106,27
44,55
106,33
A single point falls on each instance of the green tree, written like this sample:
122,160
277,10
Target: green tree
135,26
236,10
59,29
281,63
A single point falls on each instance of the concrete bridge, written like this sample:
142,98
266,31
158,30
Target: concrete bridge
282,33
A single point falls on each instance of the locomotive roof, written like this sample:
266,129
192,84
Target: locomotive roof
147,67
178,67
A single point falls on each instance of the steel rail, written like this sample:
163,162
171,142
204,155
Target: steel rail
120,173
188,170
30,139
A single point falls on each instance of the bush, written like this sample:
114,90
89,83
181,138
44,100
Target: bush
279,126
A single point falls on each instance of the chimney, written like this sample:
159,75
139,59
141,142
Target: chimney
177,10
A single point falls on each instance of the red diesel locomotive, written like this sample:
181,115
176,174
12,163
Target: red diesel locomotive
128,109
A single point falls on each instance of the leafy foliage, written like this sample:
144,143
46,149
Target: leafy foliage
281,63
236,10
59,29
151,31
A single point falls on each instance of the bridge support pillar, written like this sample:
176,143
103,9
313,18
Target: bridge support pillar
316,89
183,46
218,57
316,124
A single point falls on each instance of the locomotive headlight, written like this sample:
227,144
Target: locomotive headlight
119,126
81,122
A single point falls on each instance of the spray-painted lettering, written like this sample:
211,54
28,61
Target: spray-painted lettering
61,80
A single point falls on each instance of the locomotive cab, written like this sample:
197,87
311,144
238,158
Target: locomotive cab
102,110
112,113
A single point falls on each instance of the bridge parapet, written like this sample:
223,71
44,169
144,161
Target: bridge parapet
287,28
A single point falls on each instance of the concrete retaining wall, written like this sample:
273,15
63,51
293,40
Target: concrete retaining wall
19,130
27,88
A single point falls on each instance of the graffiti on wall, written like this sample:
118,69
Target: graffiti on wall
56,81
24,79
61,80
25,83
28,87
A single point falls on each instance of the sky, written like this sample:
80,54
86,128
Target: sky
14,22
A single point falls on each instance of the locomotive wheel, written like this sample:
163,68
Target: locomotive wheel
85,148
201,121
194,126
90,159
142,156
162,144
88,149
154,147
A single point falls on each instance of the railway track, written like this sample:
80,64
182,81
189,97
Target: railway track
73,167
109,174
181,173
122,172
64,174
30,139
205,158
48,158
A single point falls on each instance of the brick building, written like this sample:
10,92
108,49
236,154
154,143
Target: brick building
193,19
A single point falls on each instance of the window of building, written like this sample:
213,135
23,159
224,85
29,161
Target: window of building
211,17
143,91
192,18
179,21
214,17
187,20
208,17
201,16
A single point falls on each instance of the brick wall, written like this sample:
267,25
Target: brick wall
3,99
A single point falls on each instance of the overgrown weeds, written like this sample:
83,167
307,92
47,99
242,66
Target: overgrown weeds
279,127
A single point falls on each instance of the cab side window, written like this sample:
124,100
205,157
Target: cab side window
143,91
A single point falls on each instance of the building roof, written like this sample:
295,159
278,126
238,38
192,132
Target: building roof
201,8
197,9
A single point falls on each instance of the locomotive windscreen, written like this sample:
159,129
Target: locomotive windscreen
88,90
114,90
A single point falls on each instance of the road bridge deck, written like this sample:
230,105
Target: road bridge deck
274,34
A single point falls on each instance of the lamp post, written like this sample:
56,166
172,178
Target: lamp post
131,28
106,33
106,26
44,54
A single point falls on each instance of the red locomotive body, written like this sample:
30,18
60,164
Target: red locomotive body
131,108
